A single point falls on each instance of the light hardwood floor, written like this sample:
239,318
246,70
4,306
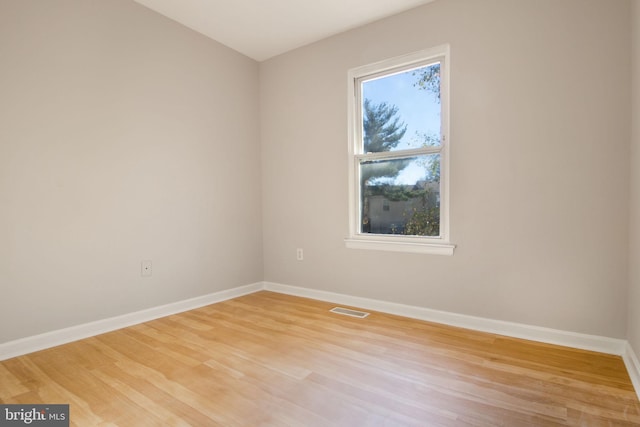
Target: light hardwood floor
268,359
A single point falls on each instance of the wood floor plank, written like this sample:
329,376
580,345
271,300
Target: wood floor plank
268,359
11,385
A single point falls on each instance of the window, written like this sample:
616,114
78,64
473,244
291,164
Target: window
399,154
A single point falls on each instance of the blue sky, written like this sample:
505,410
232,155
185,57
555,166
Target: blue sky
418,108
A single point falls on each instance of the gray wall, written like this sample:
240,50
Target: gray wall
634,252
124,136
540,131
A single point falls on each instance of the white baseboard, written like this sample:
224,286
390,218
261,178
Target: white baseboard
552,336
62,336
516,330
633,367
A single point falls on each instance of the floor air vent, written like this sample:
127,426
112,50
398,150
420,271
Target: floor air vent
347,312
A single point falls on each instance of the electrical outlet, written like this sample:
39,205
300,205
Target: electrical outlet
146,269
299,254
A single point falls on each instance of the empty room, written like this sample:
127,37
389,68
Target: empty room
320,213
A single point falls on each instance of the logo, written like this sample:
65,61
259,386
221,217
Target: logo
34,415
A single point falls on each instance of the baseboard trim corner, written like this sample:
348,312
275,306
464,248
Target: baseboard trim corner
510,329
633,367
46,340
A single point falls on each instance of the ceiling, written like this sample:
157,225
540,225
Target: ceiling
262,29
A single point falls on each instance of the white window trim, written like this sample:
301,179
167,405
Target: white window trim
416,244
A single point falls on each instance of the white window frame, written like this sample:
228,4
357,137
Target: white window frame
440,245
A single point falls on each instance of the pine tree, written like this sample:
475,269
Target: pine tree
383,130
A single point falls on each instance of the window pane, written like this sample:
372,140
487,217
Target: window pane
401,111
401,196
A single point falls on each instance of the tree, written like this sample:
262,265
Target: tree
382,131
429,79
425,222
382,128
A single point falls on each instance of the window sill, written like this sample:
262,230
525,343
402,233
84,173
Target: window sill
401,246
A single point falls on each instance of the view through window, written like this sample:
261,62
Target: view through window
399,167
